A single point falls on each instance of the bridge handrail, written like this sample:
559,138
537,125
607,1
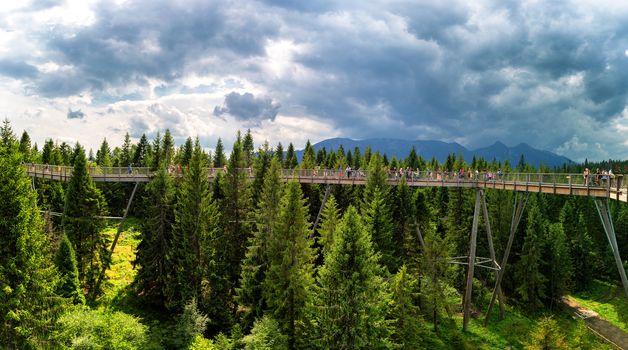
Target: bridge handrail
612,182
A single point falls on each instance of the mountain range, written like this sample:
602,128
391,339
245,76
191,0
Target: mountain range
439,149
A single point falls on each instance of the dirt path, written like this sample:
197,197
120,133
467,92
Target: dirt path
602,328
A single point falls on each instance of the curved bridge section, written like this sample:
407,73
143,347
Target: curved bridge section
613,187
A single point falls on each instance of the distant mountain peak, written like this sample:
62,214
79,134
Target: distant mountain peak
440,150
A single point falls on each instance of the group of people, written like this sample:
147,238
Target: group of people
598,178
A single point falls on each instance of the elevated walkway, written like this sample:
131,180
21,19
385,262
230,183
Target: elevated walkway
553,183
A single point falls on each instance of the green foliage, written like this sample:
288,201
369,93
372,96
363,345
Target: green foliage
376,179
559,264
28,306
83,201
196,225
546,335
288,284
434,263
201,343
266,335
255,263
220,159
65,260
330,217
103,155
156,279
167,149
407,322
190,324
82,328
352,298
247,148
528,270
290,161
379,222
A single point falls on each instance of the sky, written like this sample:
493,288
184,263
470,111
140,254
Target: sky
553,74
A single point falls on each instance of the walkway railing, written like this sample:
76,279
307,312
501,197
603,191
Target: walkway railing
603,185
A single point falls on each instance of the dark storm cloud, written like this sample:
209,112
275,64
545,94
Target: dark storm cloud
456,70
153,39
75,114
17,69
247,107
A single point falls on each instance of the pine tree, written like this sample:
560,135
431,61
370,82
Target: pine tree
156,278
65,260
186,154
103,155
330,218
255,263
236,223
291,158
407,323
126,157
279,153
559,264
376,179
435,268
196,223
219,155
139,156
379,223
289,280
531,281
25,147
248,147
352,299
27,277
167,149
83,201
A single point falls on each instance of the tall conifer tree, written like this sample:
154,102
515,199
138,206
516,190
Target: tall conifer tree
65,260
352,298
289,280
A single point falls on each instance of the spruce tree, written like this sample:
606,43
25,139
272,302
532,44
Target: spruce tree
65,260
255,263
219,155
126,157
435,268
279,153
167,149
290,161
404,234
308,160
236,223
559,264
28,306
407,322
156,153
289,279
352,298
376,179
248,147
156,277
9,141
196,223
103,155
83,201
582,248
139,156
528,271
186,154
379,223
260,165
25,148
330,218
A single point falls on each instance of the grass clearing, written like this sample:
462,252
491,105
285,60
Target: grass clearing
607,300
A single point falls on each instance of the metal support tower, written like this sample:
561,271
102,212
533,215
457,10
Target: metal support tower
517,213
472,247
607,221
320,210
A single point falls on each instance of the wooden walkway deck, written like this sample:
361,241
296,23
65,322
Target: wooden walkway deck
553,183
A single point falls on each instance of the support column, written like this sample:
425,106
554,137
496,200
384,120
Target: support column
472,245
115,239
607,221
517,213
491,250
419,235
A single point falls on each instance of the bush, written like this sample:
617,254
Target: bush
83,328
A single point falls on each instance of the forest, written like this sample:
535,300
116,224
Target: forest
238,264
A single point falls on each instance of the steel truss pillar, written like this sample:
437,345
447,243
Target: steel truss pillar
471,262
517,213
607,221
320,210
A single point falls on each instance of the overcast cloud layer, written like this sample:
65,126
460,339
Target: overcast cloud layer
553,74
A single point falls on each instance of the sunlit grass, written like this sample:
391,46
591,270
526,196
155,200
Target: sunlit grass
607,300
